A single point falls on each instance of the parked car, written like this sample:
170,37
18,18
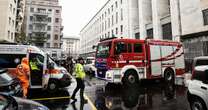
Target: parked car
8,84
8,102
89,66
198,86
200,61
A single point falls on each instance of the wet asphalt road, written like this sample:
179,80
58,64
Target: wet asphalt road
152,95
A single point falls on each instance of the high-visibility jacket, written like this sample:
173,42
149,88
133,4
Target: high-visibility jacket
23,71
79,70
33,65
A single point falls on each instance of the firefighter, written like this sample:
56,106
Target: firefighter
23,72
80,75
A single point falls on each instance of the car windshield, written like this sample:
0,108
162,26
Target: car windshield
4,78
201,62
103,50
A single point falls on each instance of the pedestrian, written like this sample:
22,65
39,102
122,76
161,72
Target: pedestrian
80,75
69,65
23,72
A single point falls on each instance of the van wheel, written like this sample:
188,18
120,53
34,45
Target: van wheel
197,104
169,76
52,86
130,78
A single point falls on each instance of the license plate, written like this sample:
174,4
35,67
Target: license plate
100,72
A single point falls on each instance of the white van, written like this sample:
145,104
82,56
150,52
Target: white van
49,75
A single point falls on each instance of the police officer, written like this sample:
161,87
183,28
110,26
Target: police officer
34,65
80,75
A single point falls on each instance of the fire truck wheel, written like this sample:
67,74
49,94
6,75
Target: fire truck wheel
169,76
130,78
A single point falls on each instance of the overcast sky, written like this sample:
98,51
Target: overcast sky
77,13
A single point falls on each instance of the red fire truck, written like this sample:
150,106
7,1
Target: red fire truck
128,61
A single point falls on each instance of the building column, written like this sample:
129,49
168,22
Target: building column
175,19
157,28
142,20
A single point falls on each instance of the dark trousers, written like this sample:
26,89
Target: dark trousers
81,86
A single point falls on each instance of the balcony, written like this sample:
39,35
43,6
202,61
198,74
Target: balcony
44,22
41,13
39,31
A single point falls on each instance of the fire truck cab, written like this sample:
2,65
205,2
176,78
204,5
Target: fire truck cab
130,60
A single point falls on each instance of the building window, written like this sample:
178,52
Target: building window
56,45
116,3
10,7
31,9
112,32
30,27
9,34
13,10
49,19
30,34
12,35
112,8
116,17
205,16
9,20
121,1
150,33
112,20
57,11
48,36
31,18
105,25
57,20
116,31
49,10
56,37
108,11
12,22
121,14
105,14
137,35
48,45
49,28
167,31
121,29
108,34
108,22
102,16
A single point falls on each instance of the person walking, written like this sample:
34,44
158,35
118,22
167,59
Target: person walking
23,72
80,75
69,64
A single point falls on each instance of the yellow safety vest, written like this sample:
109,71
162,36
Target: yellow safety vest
33,66
79,70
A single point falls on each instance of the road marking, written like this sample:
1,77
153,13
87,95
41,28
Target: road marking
90,102
53,98
68,97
